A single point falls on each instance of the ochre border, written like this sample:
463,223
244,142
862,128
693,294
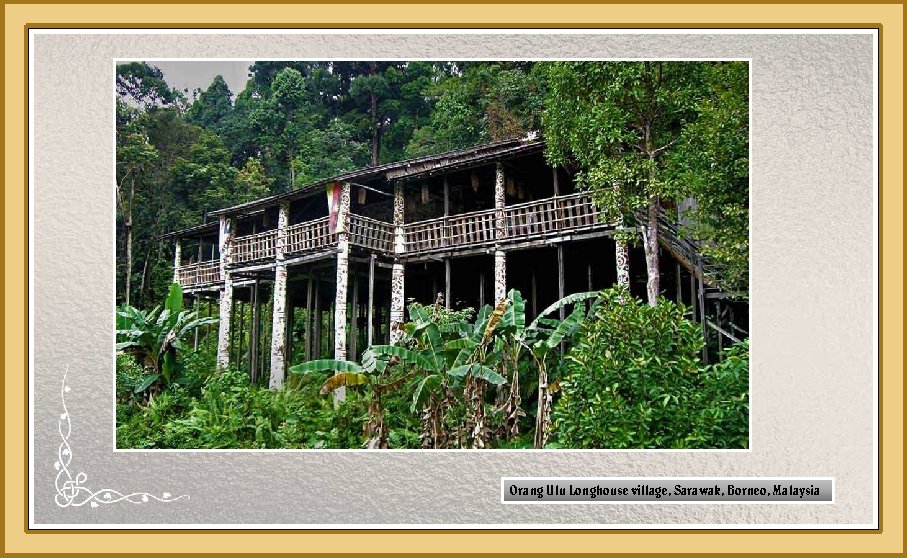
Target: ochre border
18,17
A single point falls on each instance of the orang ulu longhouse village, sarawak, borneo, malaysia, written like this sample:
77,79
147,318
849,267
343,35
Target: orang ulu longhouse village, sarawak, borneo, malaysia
434,255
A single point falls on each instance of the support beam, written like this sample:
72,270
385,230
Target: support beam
242,332
309,320
500,258
354,320
481,288
561,312
279,313
226,293
371,300
556,181
693,300
447,282
255,344
397,271
340,298
533,296
195,302
318,320
177,259
703,320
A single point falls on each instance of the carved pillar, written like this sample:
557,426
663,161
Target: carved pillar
279,317
177,257
397,300
343,253
500,232
226,293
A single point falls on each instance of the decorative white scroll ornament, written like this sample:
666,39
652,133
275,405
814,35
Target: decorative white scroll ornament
70,491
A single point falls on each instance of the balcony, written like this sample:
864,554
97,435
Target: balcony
202,273
521,223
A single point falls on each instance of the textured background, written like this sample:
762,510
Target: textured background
812,261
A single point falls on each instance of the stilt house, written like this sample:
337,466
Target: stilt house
340,259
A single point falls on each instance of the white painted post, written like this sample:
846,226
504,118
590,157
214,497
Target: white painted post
279,318
343,255
500,258
177,257
226,293
397,271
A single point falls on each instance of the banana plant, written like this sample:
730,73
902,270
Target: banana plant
155,337
538,339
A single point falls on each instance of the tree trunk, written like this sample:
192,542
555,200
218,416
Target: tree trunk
650,242
128,257
376,128
650,233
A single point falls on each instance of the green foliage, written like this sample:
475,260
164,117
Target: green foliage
712,164
487,101
633,379
229,413
155,337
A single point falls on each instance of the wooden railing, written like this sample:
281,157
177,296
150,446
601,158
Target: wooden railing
253,247
199,273
560,213
311,235
474,229
521,222
372,234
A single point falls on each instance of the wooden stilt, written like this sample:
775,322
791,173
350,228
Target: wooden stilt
242,333
354,321
279,313
196,300
560,287
446,280
679,289
693,296
534,296
720,326
317,318
255,344
555,181
481,288
371,300
309,319
233,344
703,320
291,327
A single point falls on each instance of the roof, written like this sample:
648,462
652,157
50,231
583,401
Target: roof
400,170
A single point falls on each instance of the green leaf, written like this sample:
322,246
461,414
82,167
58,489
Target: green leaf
423,389
567,300
407,356
174,301
325,365
478,371
145,383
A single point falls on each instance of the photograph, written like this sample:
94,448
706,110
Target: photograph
432,254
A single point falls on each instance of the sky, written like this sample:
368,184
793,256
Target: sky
194,74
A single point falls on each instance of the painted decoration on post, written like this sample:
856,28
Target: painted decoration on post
333,193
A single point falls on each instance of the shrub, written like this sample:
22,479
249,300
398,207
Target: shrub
633,379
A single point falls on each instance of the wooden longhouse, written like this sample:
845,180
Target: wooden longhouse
462,227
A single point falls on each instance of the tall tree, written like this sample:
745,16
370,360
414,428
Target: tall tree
712,162
134,157
620,121
212,106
